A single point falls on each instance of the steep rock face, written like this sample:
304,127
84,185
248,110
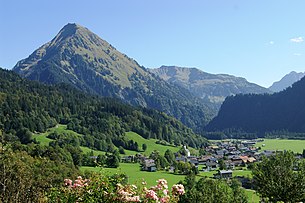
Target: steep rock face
212,88
82,59
282,111
286,81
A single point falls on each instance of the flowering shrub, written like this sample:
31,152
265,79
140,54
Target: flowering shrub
79,182
112,189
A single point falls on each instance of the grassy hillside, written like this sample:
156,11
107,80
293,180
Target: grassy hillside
151,143
42,137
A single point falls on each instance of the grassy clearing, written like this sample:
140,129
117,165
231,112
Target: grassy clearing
151,144
136,176
42,138
252,196
282,144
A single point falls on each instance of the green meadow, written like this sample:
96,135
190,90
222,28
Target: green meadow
136,176
252,196
282,144
132,170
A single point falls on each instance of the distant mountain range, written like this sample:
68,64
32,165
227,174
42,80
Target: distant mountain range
282,111
213,88
78,57
286,81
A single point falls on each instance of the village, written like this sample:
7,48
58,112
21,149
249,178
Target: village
223,157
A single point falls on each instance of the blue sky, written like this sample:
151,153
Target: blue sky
259,40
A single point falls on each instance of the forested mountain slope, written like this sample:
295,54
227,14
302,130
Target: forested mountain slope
283,111
30,106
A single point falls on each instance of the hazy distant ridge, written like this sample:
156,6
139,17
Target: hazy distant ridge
213,88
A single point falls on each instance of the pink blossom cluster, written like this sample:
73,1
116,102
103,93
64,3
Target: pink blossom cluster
127,193
158,193
151,194
79,182
178,189
130,193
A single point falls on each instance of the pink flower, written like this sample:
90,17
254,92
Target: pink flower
75,185
178,189
165,199
68,182
133,199
165,191
150,194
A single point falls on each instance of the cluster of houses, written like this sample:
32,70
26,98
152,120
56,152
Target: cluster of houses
232,153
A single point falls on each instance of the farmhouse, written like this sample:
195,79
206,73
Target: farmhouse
149,165
224,174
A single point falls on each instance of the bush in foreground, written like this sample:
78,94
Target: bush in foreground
101,188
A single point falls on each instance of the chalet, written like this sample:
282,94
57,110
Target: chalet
210,165
224,174
149,165
193,162
251,160
171,169
249,142
229,164
244,159
127,159
237,161
181,158
222,152
268,153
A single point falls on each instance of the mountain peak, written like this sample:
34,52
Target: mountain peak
72,28
69,30
286,81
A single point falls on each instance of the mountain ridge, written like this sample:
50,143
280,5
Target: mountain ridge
213,88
